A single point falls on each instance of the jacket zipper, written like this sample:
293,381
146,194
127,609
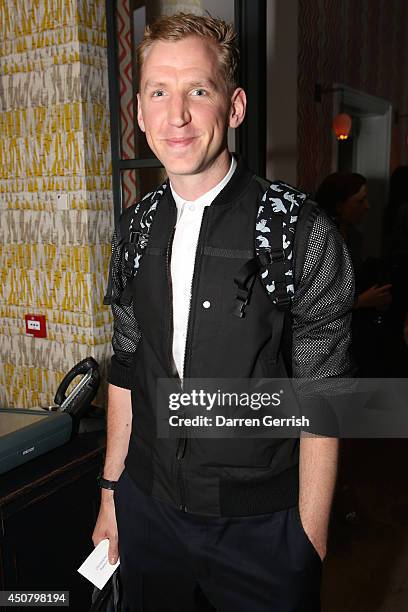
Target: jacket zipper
197,262
170,293
182,443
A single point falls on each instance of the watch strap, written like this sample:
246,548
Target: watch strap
106,484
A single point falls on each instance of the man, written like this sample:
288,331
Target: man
213,524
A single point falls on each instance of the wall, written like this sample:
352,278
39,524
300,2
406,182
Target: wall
55,139
282,34
359,43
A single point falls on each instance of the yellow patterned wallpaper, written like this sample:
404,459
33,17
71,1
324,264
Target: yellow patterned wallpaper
54,139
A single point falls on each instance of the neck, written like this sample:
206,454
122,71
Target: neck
194,186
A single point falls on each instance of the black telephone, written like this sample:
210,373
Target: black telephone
79,400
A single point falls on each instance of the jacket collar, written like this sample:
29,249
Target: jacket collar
232,190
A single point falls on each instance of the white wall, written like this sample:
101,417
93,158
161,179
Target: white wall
373,162
222,10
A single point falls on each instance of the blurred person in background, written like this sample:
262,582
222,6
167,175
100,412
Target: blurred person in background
344,196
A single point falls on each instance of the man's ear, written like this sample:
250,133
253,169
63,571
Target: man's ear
238,108
139,114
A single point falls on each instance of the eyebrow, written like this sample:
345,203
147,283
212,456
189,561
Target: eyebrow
150,83
196,83
204,83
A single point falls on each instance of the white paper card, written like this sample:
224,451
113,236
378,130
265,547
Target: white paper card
96,568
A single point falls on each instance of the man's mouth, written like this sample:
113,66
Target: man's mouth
179,143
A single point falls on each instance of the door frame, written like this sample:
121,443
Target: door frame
371,155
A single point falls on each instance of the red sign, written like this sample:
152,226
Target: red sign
35,325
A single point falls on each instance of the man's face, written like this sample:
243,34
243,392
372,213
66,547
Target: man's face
184,107
353,210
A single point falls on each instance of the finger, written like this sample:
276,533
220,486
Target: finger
383,291
386,287
113,552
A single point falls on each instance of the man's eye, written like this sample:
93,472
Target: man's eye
199,92
158,93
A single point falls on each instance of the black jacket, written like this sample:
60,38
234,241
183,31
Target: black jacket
231,476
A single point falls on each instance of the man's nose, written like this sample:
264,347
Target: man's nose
179,113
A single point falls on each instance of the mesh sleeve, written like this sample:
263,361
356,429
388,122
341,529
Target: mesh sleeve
322,306
126,331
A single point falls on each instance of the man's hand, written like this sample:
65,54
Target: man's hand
375,297
119,423
106,526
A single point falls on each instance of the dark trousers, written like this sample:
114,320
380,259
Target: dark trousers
173,561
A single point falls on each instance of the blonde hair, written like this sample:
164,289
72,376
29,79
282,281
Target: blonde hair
181,25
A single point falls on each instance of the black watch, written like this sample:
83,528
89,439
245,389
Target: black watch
106,484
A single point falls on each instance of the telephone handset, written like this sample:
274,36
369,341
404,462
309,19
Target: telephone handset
79,400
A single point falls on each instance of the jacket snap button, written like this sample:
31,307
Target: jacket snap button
206,304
